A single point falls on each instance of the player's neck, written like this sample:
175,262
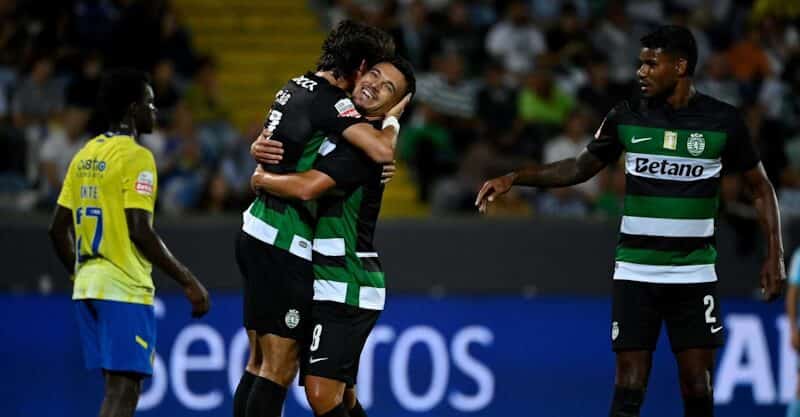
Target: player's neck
123,129
682,94
340,82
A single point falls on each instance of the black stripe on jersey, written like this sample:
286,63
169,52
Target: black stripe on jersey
274,203
324,260
368,215
371,264
651,187
677,244
330,206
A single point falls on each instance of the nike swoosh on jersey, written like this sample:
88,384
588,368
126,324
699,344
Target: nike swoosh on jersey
315,360
637,140
716,329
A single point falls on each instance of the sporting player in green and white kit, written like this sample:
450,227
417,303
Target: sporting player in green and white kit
274,248
678,142
349,290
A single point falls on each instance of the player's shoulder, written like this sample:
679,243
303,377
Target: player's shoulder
624,108
313,84
132,152
716,107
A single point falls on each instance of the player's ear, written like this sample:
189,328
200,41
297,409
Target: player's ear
682,67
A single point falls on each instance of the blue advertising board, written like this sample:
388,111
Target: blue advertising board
453,356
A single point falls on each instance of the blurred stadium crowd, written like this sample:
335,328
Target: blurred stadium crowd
500,84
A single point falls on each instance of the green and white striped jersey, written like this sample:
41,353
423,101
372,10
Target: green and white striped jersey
673,163
347,268
304,112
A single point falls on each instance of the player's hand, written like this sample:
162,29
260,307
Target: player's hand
198,296
388,172
266,150
492,189
255,183
398,108
773,278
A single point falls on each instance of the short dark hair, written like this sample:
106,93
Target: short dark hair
118,89
405,68
674,40
350,43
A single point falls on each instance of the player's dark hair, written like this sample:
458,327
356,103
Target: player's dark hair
350,43
675,40
118,89
407,70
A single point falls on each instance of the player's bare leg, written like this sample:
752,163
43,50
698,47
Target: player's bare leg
121,394
278,369
354,408
326,396
630,382
255,357
245,386
694,370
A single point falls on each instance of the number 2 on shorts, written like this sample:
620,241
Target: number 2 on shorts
708,301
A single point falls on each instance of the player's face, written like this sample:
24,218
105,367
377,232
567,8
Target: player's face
658,72
379,89
146,112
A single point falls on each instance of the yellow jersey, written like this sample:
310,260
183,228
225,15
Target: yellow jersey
109,174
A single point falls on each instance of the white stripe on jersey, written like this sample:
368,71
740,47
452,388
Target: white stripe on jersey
652,226
665,274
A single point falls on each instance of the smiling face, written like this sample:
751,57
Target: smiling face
658,72
379,89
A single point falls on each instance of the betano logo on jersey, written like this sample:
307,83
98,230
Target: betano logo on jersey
672,168
665,167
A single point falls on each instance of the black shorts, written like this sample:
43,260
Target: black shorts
691,312
338,334
278,289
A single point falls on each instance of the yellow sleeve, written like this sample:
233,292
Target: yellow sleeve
139,181
65,196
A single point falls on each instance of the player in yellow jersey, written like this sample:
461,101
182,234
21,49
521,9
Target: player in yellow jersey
103,232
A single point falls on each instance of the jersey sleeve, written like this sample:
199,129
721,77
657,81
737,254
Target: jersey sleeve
606,145
739,154
346,165
65,197
140,181
333,112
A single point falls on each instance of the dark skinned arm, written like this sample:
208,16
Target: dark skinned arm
62,235
791,315
557,174
773,272
303,186
153,248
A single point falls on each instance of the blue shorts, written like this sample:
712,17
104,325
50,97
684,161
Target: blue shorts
117,336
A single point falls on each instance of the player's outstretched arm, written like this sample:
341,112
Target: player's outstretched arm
303,186
791,315
773,272
557,174
153,248
62,234
379,145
